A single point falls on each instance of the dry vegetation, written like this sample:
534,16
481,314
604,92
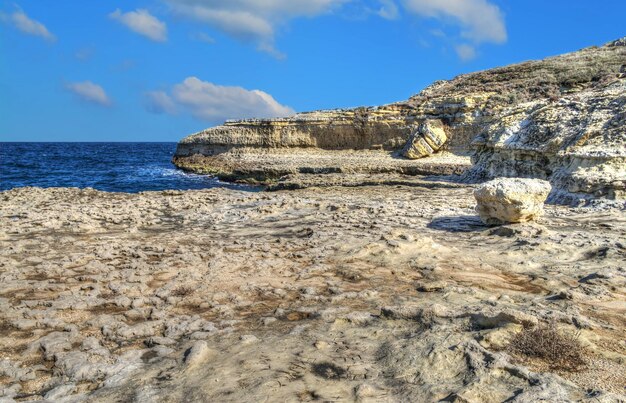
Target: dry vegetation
559,349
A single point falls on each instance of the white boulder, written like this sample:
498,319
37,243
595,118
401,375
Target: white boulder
511,200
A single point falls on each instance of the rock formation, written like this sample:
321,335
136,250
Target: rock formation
577,142
429,138
511,200
561,119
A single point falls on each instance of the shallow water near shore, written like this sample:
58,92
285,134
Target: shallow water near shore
111,167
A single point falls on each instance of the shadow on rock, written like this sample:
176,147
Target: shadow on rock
328,370
462,223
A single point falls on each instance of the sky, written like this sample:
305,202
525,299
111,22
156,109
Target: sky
158,70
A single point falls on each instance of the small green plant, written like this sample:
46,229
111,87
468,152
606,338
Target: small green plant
558,349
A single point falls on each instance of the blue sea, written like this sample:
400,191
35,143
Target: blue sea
111,167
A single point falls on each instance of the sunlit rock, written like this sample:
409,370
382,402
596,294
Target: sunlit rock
511,200
429,138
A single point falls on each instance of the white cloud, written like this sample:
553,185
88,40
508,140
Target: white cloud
143,23
251,20
465,52
239,23
159,102
216,103
125,65
271,50
388,10
481,20
84,54
24,23
258,21
202,37
89,92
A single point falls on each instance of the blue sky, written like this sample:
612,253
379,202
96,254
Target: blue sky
157,70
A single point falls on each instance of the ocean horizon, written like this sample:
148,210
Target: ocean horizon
127,166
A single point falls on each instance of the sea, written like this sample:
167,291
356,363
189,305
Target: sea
110,167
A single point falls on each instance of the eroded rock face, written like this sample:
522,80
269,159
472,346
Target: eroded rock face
559,119
578,142
429,138
511,200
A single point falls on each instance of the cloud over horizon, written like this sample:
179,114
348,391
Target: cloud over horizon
160,102
27,25
388,10
143,23
480,21
252,21
215,103
465,52
258,21
90,92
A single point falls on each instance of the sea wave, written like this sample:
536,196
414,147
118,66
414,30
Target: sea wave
116,167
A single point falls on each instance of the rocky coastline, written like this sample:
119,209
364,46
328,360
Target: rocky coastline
376,267
560,119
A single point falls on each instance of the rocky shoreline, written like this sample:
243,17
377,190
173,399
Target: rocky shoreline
367,293
561,119
364,272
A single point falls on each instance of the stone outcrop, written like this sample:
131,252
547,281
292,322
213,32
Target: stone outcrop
429,138
578,142
561,119
511,200
362,140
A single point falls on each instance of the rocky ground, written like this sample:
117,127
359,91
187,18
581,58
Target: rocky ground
260,164
384,293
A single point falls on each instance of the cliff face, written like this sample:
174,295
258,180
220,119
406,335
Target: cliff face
577,142
384,127
561,119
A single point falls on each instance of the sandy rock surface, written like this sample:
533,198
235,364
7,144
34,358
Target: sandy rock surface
511,200
388,293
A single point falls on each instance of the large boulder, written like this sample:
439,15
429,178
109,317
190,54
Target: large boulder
429,138
511,200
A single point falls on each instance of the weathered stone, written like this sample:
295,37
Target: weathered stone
431,286
500,337
504,318
7,392
429,138
197,353
60,391
511,200
160,341
53,343
248,339
365,390
77,366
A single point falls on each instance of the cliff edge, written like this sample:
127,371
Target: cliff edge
562,119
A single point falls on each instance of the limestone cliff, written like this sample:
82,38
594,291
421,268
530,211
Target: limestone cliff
578,142
561,119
